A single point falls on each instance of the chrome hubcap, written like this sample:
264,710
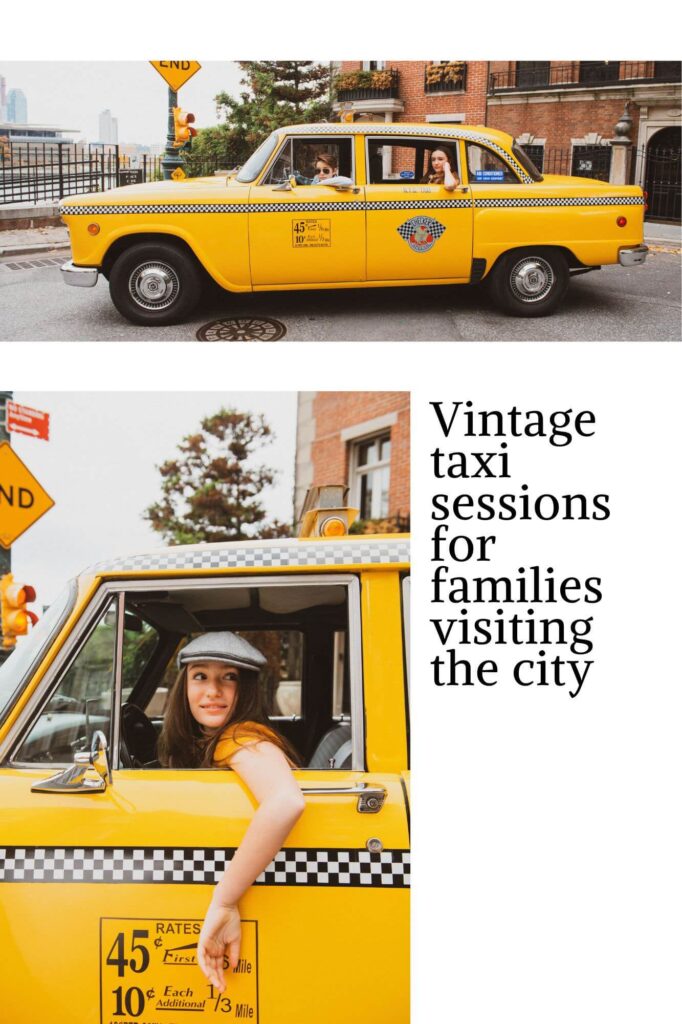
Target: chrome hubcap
531,279
154,285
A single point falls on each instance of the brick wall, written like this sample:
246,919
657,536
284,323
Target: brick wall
335,411
559,122
470,102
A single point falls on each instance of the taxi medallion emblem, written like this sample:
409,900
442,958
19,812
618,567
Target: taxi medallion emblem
421,233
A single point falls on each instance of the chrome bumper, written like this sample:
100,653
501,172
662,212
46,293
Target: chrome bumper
80,277
631,257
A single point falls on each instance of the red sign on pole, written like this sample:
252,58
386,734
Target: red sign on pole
24,420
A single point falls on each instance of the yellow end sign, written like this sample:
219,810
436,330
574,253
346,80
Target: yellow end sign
176,72
178,174
22,499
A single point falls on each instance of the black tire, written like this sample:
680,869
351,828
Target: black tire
530,282
155,283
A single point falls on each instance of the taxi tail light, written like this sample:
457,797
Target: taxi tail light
621,221
93,229
326,512
646,201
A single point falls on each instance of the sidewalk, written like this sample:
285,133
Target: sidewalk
16,243
19,242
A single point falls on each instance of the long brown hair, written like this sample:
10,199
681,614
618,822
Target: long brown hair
184,744
436,179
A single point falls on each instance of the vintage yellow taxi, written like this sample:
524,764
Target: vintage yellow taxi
107,860
379,222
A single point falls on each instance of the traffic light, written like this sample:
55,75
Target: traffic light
14,614
184,133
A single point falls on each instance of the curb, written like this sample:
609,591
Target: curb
24,250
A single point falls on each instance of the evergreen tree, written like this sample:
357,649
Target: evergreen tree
211,491
278,92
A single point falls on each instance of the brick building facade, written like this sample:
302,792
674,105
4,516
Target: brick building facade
563,112
362,439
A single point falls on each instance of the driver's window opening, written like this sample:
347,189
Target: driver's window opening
404,161
301,629
310,161
82,702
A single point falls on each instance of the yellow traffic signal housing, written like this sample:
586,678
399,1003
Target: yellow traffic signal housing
184,133
14,614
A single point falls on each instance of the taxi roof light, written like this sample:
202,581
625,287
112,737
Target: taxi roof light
326,512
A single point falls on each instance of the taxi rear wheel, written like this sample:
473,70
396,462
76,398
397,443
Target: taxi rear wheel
530,282
155,284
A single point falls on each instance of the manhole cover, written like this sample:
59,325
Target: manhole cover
242,328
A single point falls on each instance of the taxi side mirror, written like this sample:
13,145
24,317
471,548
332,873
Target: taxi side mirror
89,773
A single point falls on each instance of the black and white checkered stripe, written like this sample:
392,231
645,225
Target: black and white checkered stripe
262,554
564,201
116,208
419,204
190,866
345,207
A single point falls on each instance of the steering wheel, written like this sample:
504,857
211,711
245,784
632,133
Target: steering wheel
138,738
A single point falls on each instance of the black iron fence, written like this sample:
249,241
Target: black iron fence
658,172
579,161
543,74
656,169
46,172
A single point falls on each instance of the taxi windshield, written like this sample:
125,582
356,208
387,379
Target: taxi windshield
25,658
257,161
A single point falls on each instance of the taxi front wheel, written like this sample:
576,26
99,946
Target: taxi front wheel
530,282
155,284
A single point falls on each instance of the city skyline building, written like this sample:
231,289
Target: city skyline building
17,107
108,127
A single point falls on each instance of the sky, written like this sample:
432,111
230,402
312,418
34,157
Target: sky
72,94
99,467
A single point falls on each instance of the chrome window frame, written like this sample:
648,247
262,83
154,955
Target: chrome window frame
323,139
71,591
397,139
493,152
111,588
49,684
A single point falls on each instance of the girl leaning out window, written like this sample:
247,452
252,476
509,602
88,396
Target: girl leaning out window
215,719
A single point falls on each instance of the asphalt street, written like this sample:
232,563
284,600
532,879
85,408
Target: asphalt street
613,304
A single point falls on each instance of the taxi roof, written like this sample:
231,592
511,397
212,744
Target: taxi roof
278,554
451,131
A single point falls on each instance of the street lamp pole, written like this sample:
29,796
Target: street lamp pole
172,158
5,553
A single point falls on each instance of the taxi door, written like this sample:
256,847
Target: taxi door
306,234
104,887
415,232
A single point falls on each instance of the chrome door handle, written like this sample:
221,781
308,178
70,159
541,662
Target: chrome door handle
371,798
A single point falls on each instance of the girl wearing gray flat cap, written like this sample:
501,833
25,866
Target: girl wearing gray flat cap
215,718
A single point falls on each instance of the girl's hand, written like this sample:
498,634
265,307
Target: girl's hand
446,167
220,936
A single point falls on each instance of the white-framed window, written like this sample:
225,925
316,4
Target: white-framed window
370,475
373,65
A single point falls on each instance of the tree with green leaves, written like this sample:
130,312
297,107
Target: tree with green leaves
211,491
278,92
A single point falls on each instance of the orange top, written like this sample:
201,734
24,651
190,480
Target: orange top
237,736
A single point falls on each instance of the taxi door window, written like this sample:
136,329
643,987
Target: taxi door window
487,168
82,702
399,161
299,156
310,636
